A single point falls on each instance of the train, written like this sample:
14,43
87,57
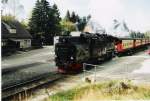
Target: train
92,48
131,45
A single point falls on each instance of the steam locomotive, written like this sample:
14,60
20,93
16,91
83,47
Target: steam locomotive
72,51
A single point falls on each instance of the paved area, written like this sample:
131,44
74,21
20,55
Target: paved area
125,68
27,65
45,54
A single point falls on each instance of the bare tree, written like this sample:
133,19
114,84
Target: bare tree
12,7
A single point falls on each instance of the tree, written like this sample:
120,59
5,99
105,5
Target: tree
44,21
4,2
67,27
77,18
133,34
39,22
24,24
76,21
73,17
33,21
89,17
82,23
56,20
147,34
8,17
67,17
13,7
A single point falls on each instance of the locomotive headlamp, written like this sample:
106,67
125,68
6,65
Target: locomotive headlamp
63,40
71,58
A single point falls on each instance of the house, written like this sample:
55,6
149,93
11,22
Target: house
14,36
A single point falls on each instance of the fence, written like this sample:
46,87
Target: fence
123,73
90,71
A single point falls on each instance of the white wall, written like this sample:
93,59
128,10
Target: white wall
25,43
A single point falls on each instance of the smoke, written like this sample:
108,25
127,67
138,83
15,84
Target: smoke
94,27
119,29
105,11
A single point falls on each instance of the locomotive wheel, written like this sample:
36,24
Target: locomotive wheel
70,69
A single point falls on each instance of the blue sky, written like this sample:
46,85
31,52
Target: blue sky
136,13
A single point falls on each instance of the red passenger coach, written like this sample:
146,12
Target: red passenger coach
124,45
118,47
143,42
131,45
137,43
147,41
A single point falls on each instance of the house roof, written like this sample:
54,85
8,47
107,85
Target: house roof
18,32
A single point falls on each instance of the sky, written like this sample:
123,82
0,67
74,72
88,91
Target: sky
136,13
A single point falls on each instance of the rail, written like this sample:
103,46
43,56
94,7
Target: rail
29,84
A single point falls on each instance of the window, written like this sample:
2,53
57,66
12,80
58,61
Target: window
3,43
12,30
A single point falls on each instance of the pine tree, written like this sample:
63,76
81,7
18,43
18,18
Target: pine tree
56,20
35,25
73,17
34,20
82,23
44,22
77,18
67,17
4,1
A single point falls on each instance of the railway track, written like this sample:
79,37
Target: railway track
24,86
8,69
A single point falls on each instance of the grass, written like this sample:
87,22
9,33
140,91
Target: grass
112,90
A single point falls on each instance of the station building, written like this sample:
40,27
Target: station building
14,37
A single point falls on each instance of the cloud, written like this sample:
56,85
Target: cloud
134,13
105,11
79,6
138,20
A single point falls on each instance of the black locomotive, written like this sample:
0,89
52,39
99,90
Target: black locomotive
72,51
